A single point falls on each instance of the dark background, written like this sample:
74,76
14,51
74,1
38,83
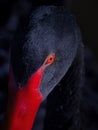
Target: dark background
86,12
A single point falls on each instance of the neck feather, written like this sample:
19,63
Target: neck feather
63,104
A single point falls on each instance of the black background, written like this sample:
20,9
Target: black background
86,12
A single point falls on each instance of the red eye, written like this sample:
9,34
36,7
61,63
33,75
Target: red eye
50,59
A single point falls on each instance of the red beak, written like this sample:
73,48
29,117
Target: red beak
23,103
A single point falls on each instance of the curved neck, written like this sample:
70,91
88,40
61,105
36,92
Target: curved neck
63,104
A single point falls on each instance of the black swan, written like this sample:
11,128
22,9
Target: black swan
47,62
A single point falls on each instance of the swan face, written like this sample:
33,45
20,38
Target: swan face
52,30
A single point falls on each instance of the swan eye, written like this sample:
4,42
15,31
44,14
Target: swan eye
50,59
